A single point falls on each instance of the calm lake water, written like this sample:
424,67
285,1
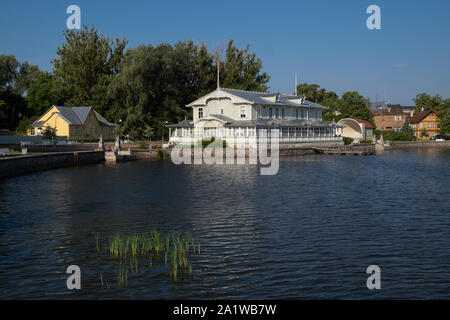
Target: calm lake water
308,232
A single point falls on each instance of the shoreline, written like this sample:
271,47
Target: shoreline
19,165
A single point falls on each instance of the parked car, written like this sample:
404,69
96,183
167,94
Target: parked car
438,137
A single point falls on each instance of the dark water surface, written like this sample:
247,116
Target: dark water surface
308,232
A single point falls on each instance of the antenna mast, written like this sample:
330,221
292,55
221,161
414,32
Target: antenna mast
295,83
218,69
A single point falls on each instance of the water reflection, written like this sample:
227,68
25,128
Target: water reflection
308,232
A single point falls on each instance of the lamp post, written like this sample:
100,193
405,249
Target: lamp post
162,139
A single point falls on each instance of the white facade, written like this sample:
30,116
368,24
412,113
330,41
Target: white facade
226,113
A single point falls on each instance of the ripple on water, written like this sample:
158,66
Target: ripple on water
308,232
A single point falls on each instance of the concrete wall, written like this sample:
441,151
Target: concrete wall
418,144
33,139
13,166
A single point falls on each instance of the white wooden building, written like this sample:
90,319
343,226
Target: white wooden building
226,113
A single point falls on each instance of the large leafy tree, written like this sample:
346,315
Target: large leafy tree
314,93
242,70
353,105
86,64
154,84
15,79
443,111
437,103
42,94
426,101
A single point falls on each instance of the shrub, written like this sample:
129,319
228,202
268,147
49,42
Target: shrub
49,133
206,143
394,136
143,145
347,140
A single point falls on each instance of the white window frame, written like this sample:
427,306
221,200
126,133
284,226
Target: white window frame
243,111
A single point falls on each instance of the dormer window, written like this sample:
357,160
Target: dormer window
242,111
200,113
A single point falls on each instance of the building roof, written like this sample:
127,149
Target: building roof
182,124
76,116
274,123
366,123
260,98
400,107
419,116
387,112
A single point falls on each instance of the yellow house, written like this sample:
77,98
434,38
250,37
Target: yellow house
75,123
425,120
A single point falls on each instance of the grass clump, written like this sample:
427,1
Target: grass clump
170,250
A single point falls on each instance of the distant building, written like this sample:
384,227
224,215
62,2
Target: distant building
425,119
229,113
75,123
404,109
357,129
378,105
389,119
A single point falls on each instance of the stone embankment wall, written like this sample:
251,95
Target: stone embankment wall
417,144
12,166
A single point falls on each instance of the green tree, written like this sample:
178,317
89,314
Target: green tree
85,66
443,111
49,133
242,70
406,128
42,94
15,79
314,93
154,84
353,105
424,133
426,101
23,126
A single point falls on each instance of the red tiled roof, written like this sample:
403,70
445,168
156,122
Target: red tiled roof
419,116
366,123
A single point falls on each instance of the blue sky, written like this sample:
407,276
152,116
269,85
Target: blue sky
325,42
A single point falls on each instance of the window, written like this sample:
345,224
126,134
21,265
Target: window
276,113
429,124
382,118
200,112
435,125
283,113
242,111
78,131
382,128
296,113
270,112
421,125
221,111
32,131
